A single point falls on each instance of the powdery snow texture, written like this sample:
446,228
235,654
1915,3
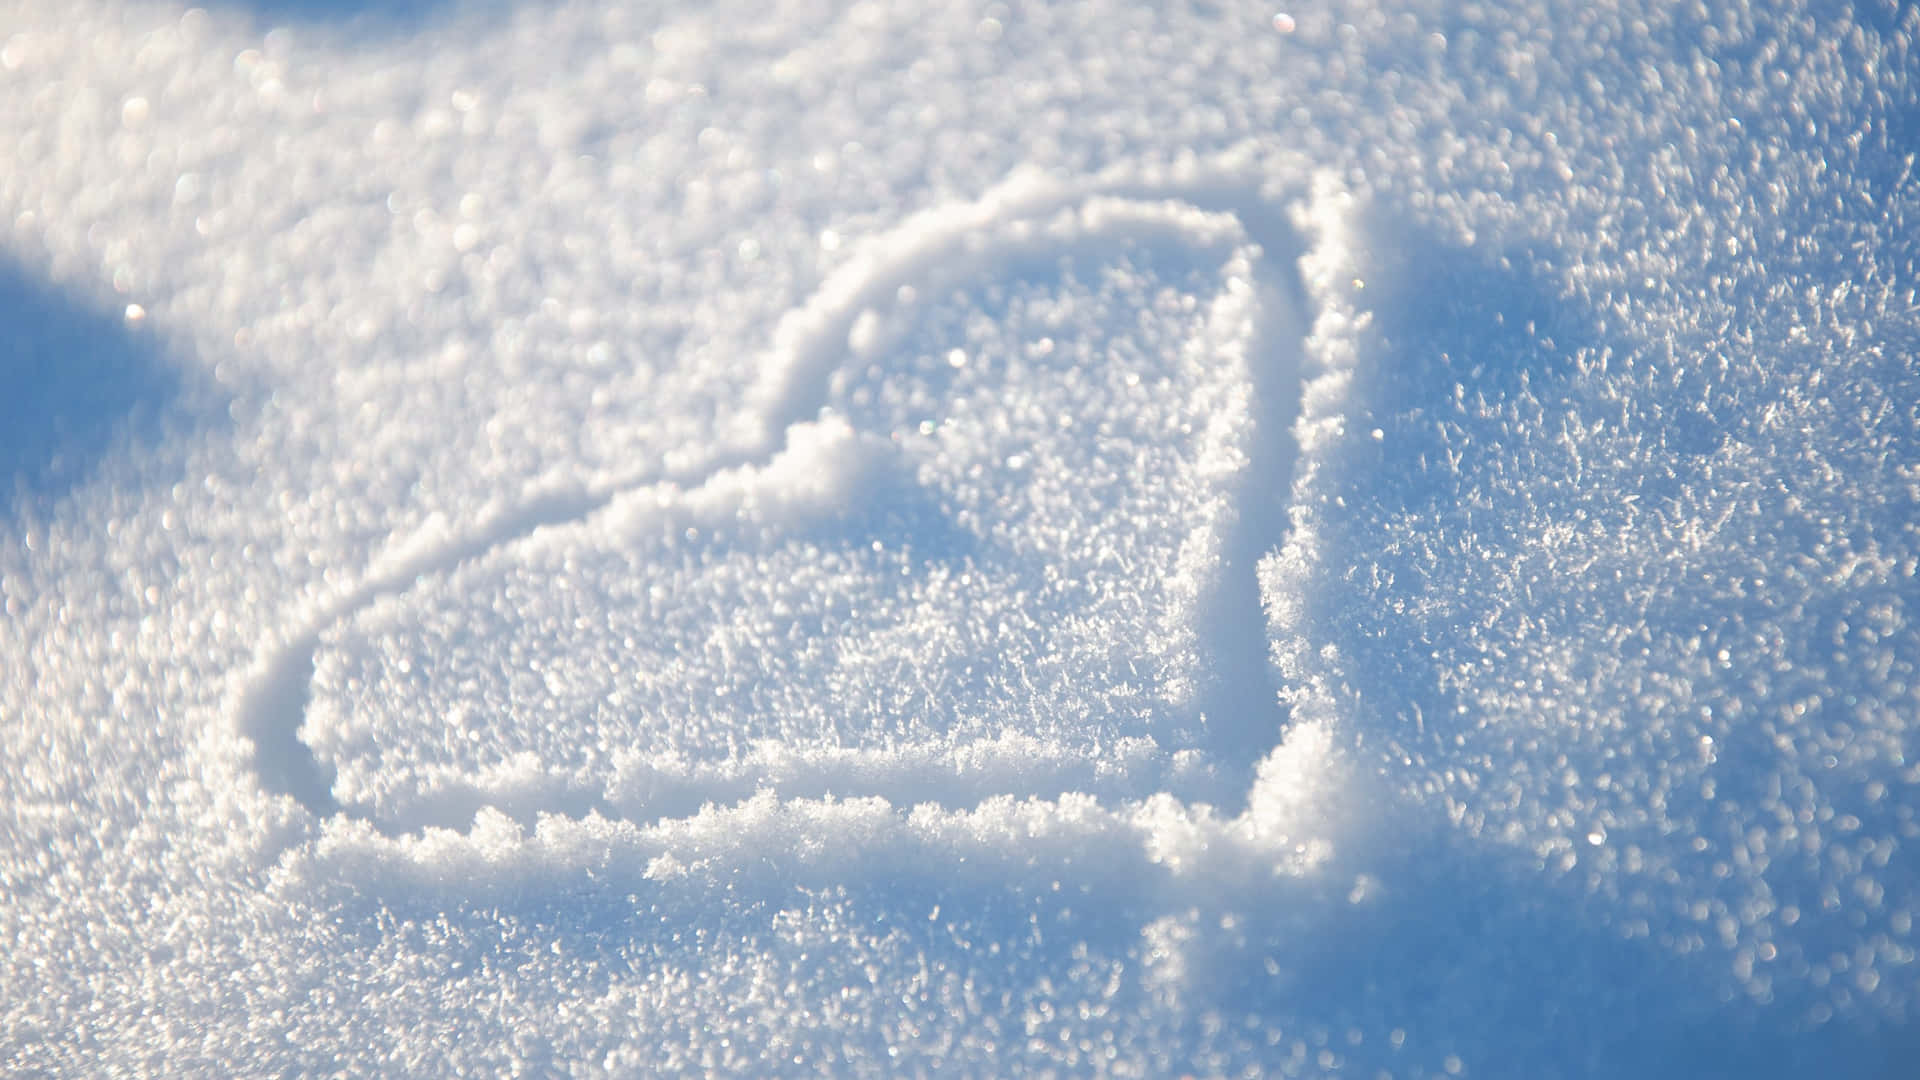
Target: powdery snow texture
597,539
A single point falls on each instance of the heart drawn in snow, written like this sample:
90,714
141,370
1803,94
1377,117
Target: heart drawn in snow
987,525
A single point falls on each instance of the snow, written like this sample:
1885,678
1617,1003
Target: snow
593,539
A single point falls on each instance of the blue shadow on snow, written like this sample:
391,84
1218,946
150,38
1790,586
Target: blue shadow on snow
365,17
75,381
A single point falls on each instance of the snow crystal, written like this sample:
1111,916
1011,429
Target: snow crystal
573,538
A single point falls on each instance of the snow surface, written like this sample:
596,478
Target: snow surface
598,539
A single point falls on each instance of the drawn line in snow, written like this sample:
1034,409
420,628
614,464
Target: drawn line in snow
1025,216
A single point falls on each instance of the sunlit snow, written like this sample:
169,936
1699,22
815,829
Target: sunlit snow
576,538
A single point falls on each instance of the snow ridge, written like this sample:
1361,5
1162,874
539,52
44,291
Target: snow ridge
784,459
